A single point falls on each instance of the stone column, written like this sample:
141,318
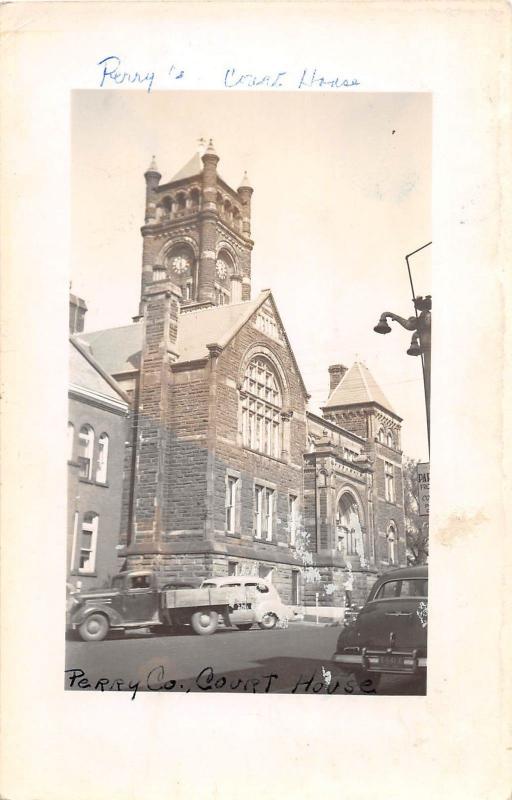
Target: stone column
161,303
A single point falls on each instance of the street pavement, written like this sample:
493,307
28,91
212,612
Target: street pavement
295,660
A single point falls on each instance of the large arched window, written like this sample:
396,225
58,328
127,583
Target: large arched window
101,469
261,408
85,451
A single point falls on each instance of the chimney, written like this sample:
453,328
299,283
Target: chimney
336,373
77,310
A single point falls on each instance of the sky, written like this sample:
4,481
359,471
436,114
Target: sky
342,192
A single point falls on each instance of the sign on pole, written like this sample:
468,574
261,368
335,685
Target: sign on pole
424,489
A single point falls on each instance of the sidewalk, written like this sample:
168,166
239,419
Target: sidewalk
321,615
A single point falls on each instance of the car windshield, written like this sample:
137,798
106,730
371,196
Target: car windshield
412,587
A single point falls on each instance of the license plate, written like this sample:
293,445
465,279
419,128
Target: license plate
392,661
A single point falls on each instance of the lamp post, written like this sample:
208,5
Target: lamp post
420,324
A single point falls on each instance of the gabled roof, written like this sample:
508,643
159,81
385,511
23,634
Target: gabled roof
212,325
358,387
88,376
191,168
117,349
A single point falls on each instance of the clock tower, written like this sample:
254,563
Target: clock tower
197,233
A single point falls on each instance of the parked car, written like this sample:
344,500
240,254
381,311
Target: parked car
251,600
388,635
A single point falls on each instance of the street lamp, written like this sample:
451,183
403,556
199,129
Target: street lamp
420,324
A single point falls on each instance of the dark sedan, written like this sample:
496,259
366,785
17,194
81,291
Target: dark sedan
388,635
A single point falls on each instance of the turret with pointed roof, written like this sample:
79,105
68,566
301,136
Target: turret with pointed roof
358,404
197,232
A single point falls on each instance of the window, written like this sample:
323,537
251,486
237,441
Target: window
101,470
414,587
258,504
88,537
231,503
390,439
349,455
292,516
188,290
140,582
389,589
392,544
263,513
389,482
381,436
269,509
85,451
261,408
71,440
295,599
265,572
159,273
232,567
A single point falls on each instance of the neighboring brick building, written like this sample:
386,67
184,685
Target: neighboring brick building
98,411
225,469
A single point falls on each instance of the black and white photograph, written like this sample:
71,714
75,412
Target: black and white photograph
254,501
248,459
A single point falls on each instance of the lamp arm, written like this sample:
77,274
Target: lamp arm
409,324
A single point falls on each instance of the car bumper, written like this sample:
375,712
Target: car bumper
396,662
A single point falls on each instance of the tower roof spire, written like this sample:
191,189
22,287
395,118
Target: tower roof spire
245,184
210,150
153,167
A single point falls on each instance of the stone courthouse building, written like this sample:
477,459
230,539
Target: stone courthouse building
225,469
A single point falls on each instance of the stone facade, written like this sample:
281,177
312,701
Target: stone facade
225,469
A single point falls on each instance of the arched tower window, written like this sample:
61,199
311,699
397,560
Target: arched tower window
85,451
194,199
237,220
390,441
228,211
261,408
181,202
180,266
224,269
382,436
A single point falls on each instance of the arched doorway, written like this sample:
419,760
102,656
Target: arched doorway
349,533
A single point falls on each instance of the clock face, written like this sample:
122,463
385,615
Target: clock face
222,268
180,264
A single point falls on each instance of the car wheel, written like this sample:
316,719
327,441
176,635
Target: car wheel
363,678
94,628
244,626
268,621
205,622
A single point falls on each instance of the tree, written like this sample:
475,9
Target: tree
416,527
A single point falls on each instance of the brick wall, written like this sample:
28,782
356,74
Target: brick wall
104,499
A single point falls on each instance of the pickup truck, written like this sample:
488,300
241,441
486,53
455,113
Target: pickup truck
144,599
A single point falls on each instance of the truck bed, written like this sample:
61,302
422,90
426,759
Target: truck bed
185,598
